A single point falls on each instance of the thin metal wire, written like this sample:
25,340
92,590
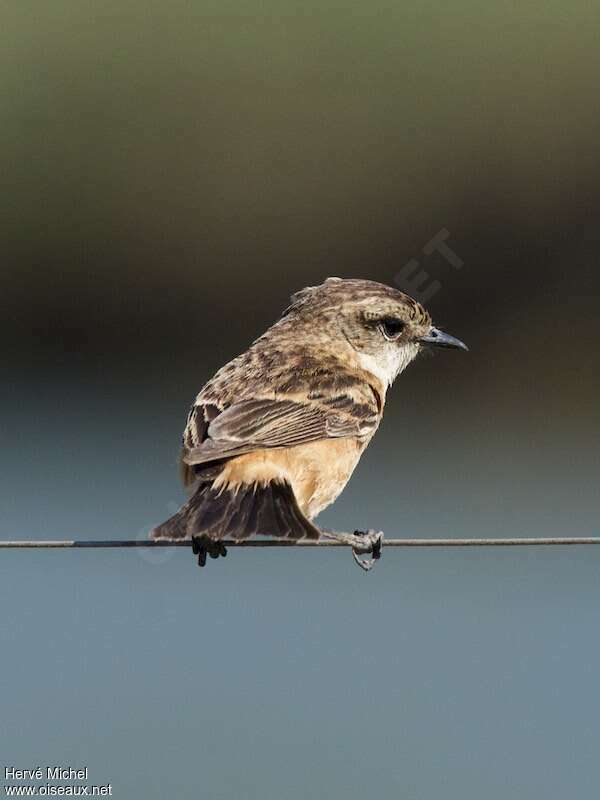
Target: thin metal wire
547,541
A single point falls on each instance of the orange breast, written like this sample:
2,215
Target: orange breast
317,471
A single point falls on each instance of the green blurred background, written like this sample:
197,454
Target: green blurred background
171,173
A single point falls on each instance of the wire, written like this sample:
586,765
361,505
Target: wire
547,541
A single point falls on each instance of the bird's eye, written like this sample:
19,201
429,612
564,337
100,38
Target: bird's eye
391,327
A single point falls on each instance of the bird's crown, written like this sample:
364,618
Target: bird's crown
374,297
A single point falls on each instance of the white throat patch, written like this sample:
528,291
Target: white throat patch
389,364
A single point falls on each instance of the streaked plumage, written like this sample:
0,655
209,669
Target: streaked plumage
275,435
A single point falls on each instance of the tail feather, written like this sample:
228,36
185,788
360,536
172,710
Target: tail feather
270,510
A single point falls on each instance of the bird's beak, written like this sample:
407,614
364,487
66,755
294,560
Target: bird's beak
438,338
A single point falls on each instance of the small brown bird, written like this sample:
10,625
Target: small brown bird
274,436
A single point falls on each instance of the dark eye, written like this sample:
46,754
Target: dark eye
391,327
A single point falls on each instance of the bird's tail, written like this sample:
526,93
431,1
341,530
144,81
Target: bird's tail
247,510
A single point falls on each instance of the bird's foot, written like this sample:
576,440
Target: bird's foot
203,546
369,542
361,542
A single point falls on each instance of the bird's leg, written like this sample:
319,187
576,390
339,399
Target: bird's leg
361,542
375,540
203,545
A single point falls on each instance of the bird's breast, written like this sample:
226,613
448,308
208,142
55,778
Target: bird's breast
320,470
317,471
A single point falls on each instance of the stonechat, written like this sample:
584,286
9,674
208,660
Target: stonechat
272,439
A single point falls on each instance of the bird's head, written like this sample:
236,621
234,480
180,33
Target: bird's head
385,328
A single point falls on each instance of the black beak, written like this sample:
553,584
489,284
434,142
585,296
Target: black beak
438,338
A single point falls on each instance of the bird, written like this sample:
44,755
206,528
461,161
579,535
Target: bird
272,439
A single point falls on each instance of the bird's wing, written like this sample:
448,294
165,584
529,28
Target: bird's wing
256,424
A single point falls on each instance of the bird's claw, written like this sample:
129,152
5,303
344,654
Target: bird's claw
370,542
203,546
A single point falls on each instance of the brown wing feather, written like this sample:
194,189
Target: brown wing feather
257,424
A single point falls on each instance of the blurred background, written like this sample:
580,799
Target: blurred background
172,172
